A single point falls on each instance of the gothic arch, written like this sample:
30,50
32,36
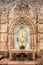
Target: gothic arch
20,20
23,20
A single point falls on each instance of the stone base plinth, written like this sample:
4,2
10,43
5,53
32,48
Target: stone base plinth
22,63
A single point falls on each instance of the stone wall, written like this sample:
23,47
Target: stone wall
8,14
3,30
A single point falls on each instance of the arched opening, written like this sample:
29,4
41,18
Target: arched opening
22,37
16,27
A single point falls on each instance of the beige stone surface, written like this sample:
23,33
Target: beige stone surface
4,27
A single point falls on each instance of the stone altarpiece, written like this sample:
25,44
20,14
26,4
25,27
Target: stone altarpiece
16,14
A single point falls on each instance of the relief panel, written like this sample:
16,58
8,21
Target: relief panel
40,28
40,41
4,37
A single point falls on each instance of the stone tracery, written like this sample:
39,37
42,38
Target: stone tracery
10,17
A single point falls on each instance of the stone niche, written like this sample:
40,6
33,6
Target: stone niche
26,21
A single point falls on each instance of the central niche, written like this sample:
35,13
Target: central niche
22,37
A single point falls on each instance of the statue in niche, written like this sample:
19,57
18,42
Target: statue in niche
22,38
